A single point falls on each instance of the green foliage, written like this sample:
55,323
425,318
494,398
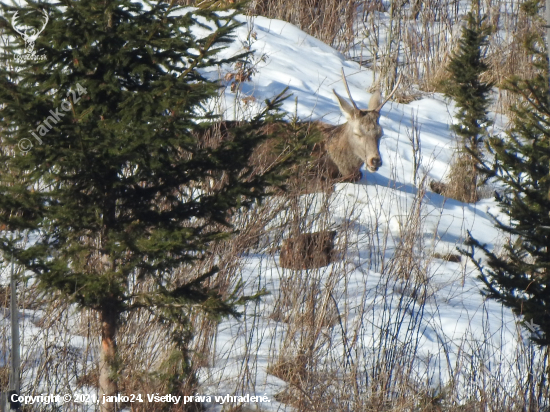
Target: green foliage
116,197
471,95
519,277
531,7
467,89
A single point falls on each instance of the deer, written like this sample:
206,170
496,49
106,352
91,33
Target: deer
357,141
340,151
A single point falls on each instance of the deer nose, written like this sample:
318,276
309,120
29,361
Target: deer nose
374,162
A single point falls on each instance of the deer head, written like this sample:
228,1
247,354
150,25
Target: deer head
363,130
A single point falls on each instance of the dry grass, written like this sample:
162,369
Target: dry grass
4,376
333,353
331,360
462,181
4,296
330,21
449,257
414,38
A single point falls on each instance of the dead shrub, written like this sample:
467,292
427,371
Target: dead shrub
330,21
462,181
304,303
4,296
4,376
308,250
309,389
28,298
292,370
437,187
90,379
449,257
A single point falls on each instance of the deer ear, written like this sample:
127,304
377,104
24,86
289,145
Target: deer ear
346,108
375,100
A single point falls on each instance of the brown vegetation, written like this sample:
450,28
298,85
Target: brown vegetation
374,367
308,250
462,181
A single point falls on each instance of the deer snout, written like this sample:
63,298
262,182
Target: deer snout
374,163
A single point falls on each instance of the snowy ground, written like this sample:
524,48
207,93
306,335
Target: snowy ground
454,312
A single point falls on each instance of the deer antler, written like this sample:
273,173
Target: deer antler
23,33
46,22
392,93
347,89
14,24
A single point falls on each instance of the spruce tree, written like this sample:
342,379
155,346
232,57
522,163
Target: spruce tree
519,276
112,182
471,95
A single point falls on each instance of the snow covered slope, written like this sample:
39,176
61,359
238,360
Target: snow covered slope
436,316
453,318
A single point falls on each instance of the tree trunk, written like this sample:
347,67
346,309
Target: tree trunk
473,197
547,14
107,365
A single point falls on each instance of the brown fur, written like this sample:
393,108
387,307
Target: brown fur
357,141
343,149
339,155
